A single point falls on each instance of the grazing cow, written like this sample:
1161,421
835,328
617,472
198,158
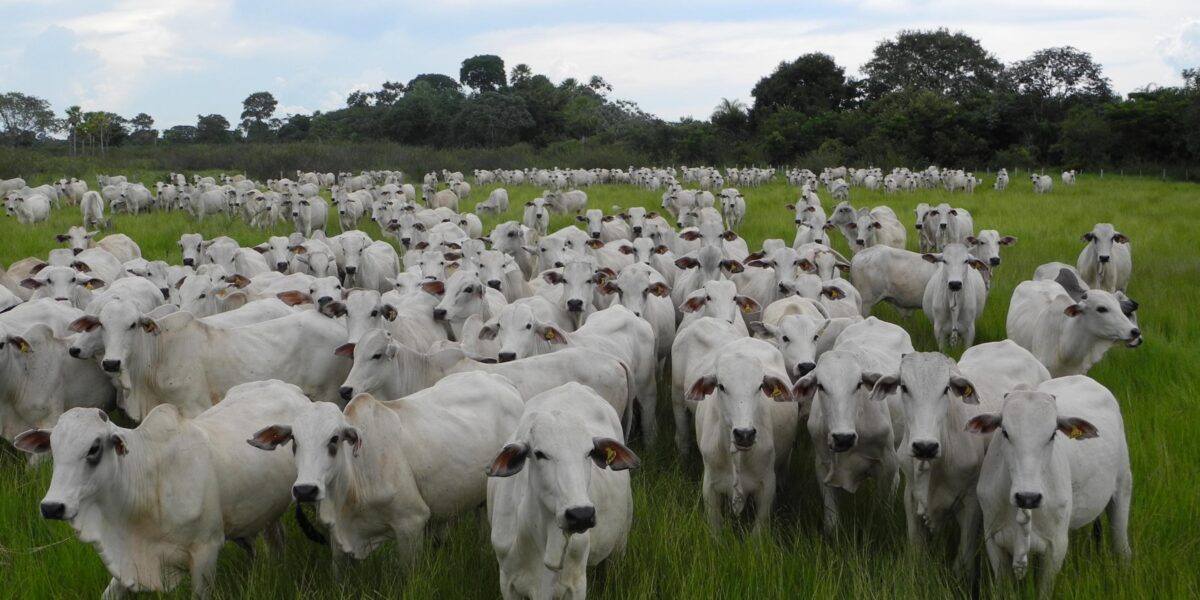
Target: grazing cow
887,274
940,460
574,201
382,470
497,202
849,419
955,295
986,246
1061,460
1042,184
1105,262
92,207
1068,335
443,199
553,515
745,428
158,502
34,208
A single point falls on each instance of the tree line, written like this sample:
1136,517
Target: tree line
925,96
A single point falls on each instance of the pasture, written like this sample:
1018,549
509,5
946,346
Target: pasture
671,553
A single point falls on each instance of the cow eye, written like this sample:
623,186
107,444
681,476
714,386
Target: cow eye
93,454
904,388
529,326
1052,434
947,390
538,454
1004,432
203,296
132,325
333,440
377,356
1102,309
374,313
786,339
469,289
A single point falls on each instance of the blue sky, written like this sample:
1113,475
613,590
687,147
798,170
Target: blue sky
175,59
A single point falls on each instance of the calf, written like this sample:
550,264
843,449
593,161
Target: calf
571,506
158,502
382,470
986,246
955,295
1105,262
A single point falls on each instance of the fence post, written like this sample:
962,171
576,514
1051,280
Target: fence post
1101,173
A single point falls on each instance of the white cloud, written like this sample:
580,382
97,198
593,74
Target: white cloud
1181,48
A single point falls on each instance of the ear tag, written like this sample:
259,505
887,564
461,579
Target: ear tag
221,293
23,346
747,308
550,334
776,392
968,391
609,456
1075,433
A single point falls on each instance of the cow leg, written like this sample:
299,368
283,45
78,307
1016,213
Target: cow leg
764,500
1118,518
916,529
683,428
830,501
408,531
204,569
1001,562
648,400
1052,562
712,504
275,539
114,591
970,524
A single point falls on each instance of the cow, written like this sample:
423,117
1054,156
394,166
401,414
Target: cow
877,226
158,502
883,273
955,295
641,289
604,228
1042,184
537,217
950,225
574,201
986,246
558,495
383,469
1060,460
1068,335
369,265
309,214
849,420
92,208
733,208
1106,261
496,202
34,208
231,258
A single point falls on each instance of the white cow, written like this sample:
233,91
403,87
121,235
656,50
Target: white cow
497,202
733,208
955,295
950,225
158,502
309,214
877,227
849,420
986,246
92,207
1068,336
604,228
1106,261
1061,460
370,265
574,201
1042,184
382,470
882,273
34,208
558,498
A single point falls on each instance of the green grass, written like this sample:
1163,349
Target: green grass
671,554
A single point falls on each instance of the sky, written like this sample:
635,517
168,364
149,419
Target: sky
176,59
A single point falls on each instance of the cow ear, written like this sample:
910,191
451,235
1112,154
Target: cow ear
81,266
30,283
776,389
805,388
972,240
333,309
389,312
1008,240
345,350
687,262
607,452
148,325
964,388
93,283
351,436
609,287
294,297
581,218
747,304
607,219
118,444
729,235
488,332
660,289
550,334
1076,428
843,267
931,258
1121,238
985,423
761,330
790,206
979,265
34,441
62,237
529,203
1073,310
84,324
661,249
701,388
881,386
1087,237
625,249
436,288
690,235
552,277
652,215
452,267
806,265
261,248
692,304
269,438
603,275
732,266
510,461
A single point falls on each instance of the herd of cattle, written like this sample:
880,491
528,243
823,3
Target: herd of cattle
509,369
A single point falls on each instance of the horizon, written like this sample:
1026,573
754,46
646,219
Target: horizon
674,59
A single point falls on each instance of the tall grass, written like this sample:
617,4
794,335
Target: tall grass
671,554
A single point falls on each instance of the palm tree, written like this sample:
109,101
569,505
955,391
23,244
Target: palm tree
729,107
74,120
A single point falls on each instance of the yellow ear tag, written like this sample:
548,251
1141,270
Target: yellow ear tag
776,392
1076,433
968,391
609,456
222,292
23,346
747,308
549,334
89,285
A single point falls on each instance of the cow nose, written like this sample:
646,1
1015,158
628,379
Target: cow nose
166,293
439,314
860,242
188,262
941,225
925,450
918,226
744,437
843,441
994,261
804,368
74,352
575,305
1027,499
507,356
637,231
53,510
783,289
405,241
346,392
76,250
281,266
595,235
1104,259
955,286
111,365
351,270
494,284
323,300
558,265
580,518
304,492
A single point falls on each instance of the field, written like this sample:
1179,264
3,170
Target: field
671,553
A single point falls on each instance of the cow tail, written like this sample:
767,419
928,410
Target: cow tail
306,526
631,399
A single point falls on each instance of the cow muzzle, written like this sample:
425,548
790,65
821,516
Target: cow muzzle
56,511
841,442
439,314
955,286
306,492
110,365
506,356
743,438
925,449
494,284
994,261
575,305
76,251
579,519
189,262
1028,500
1105,259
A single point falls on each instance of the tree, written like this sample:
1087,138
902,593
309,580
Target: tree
360,99
1086,139
599,85
812,83
483,73
492,119
521,74
1063,72
180,134
437,81
212,129
1191,79
143,128
389,93
25,118
257,110
104,129
730,116
73,121
953,64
